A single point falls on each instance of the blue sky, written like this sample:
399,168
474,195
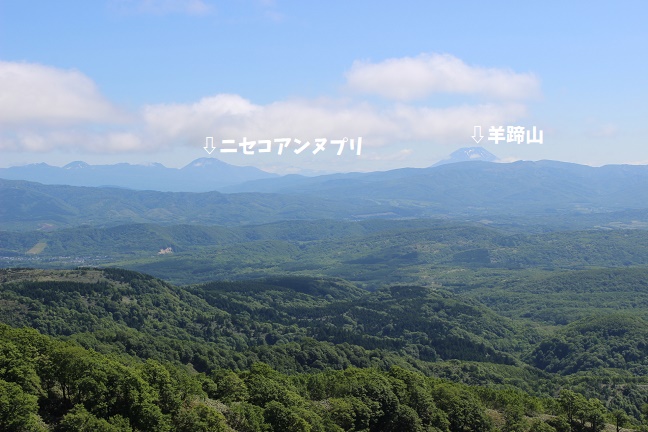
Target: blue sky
144,81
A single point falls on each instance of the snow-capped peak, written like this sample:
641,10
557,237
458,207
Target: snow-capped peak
76,165
465,154
203,162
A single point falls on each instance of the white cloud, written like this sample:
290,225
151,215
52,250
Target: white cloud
45,109
232,117
410,78
35,93
229,116
42,141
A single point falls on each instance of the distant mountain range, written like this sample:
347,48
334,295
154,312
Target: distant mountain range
201,175
470,190
29,206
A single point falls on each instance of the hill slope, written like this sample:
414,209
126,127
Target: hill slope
112,304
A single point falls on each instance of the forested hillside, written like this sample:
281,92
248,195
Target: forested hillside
116,350
369,253
309,325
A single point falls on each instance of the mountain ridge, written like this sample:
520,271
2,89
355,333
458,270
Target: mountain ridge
200,175
466,189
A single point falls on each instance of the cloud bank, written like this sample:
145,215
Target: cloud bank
412,78
37,94
44,108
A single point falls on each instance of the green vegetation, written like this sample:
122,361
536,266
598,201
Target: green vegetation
324,325
369,253
353,326
47,383
117,350
610,341
555,297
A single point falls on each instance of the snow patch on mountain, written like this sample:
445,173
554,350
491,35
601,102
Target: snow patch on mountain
76,165
468,154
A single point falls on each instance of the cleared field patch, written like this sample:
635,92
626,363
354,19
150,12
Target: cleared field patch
37,248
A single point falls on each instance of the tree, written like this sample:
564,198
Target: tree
620,419
538,425
17,409
514,417
568,402
405,419
350,413
17,364
159,378
200,418
464,409
283,419
575,406
78,419
595,414
245,417
229,386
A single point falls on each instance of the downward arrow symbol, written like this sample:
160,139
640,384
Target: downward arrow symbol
209,145
477,133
